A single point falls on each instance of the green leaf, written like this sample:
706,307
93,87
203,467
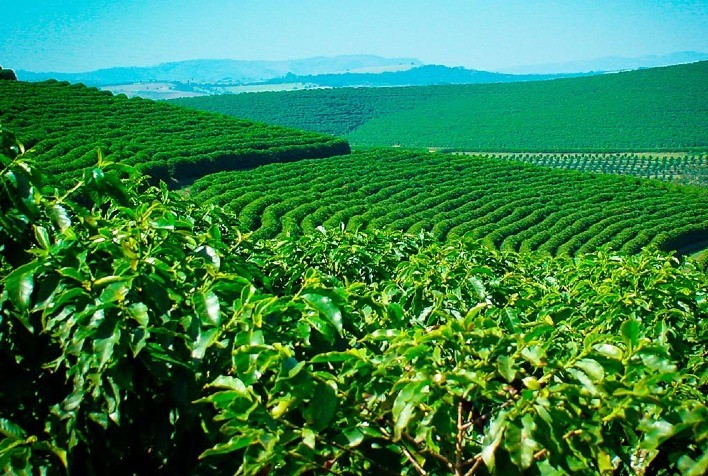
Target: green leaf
657,358
204,341
384,334
592,368
656,432
50,448
60,217
11,430
631,330
72,273
139,312
354,437
493,438
20,284
472,314
506,367
323,405
331,357
115,292
42,237
609,350
535,355
308,438
106,280
207,307
104,346
405,404
234,444
231,383
521,447
209,255
326,306
479,287
690,467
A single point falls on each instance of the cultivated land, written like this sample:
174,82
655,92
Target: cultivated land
510,205
65,126
653,109
149,331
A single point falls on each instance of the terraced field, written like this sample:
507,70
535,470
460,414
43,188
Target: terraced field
66,125
510,205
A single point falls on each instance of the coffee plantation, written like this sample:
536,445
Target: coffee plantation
143,333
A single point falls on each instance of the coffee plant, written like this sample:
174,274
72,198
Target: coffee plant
141,333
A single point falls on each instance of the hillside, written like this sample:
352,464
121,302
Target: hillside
66,125
334,111
653,109
144,333
509,205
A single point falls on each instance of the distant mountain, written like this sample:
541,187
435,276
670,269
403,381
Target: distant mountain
427,75
227,71
611,63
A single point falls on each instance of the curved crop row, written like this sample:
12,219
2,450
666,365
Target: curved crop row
510,205
67,124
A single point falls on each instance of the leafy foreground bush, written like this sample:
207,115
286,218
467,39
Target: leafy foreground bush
141,334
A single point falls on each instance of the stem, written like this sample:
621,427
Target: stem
409,457
432,453
343,448
407,453
458,441
540,454
475,466
319,466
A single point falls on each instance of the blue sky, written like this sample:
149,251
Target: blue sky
82,35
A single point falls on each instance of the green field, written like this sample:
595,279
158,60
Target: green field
65,125
513,206
653,109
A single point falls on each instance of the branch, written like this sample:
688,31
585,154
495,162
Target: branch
346,449
458,440
429,452
320,466
475,466
409,457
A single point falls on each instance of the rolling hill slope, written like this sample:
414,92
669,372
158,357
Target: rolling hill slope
653,109
66,125
334,111
510,205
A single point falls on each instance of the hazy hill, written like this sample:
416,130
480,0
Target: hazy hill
233,71
420,76
657,109
611,63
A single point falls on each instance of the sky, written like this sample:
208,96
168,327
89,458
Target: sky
84,35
